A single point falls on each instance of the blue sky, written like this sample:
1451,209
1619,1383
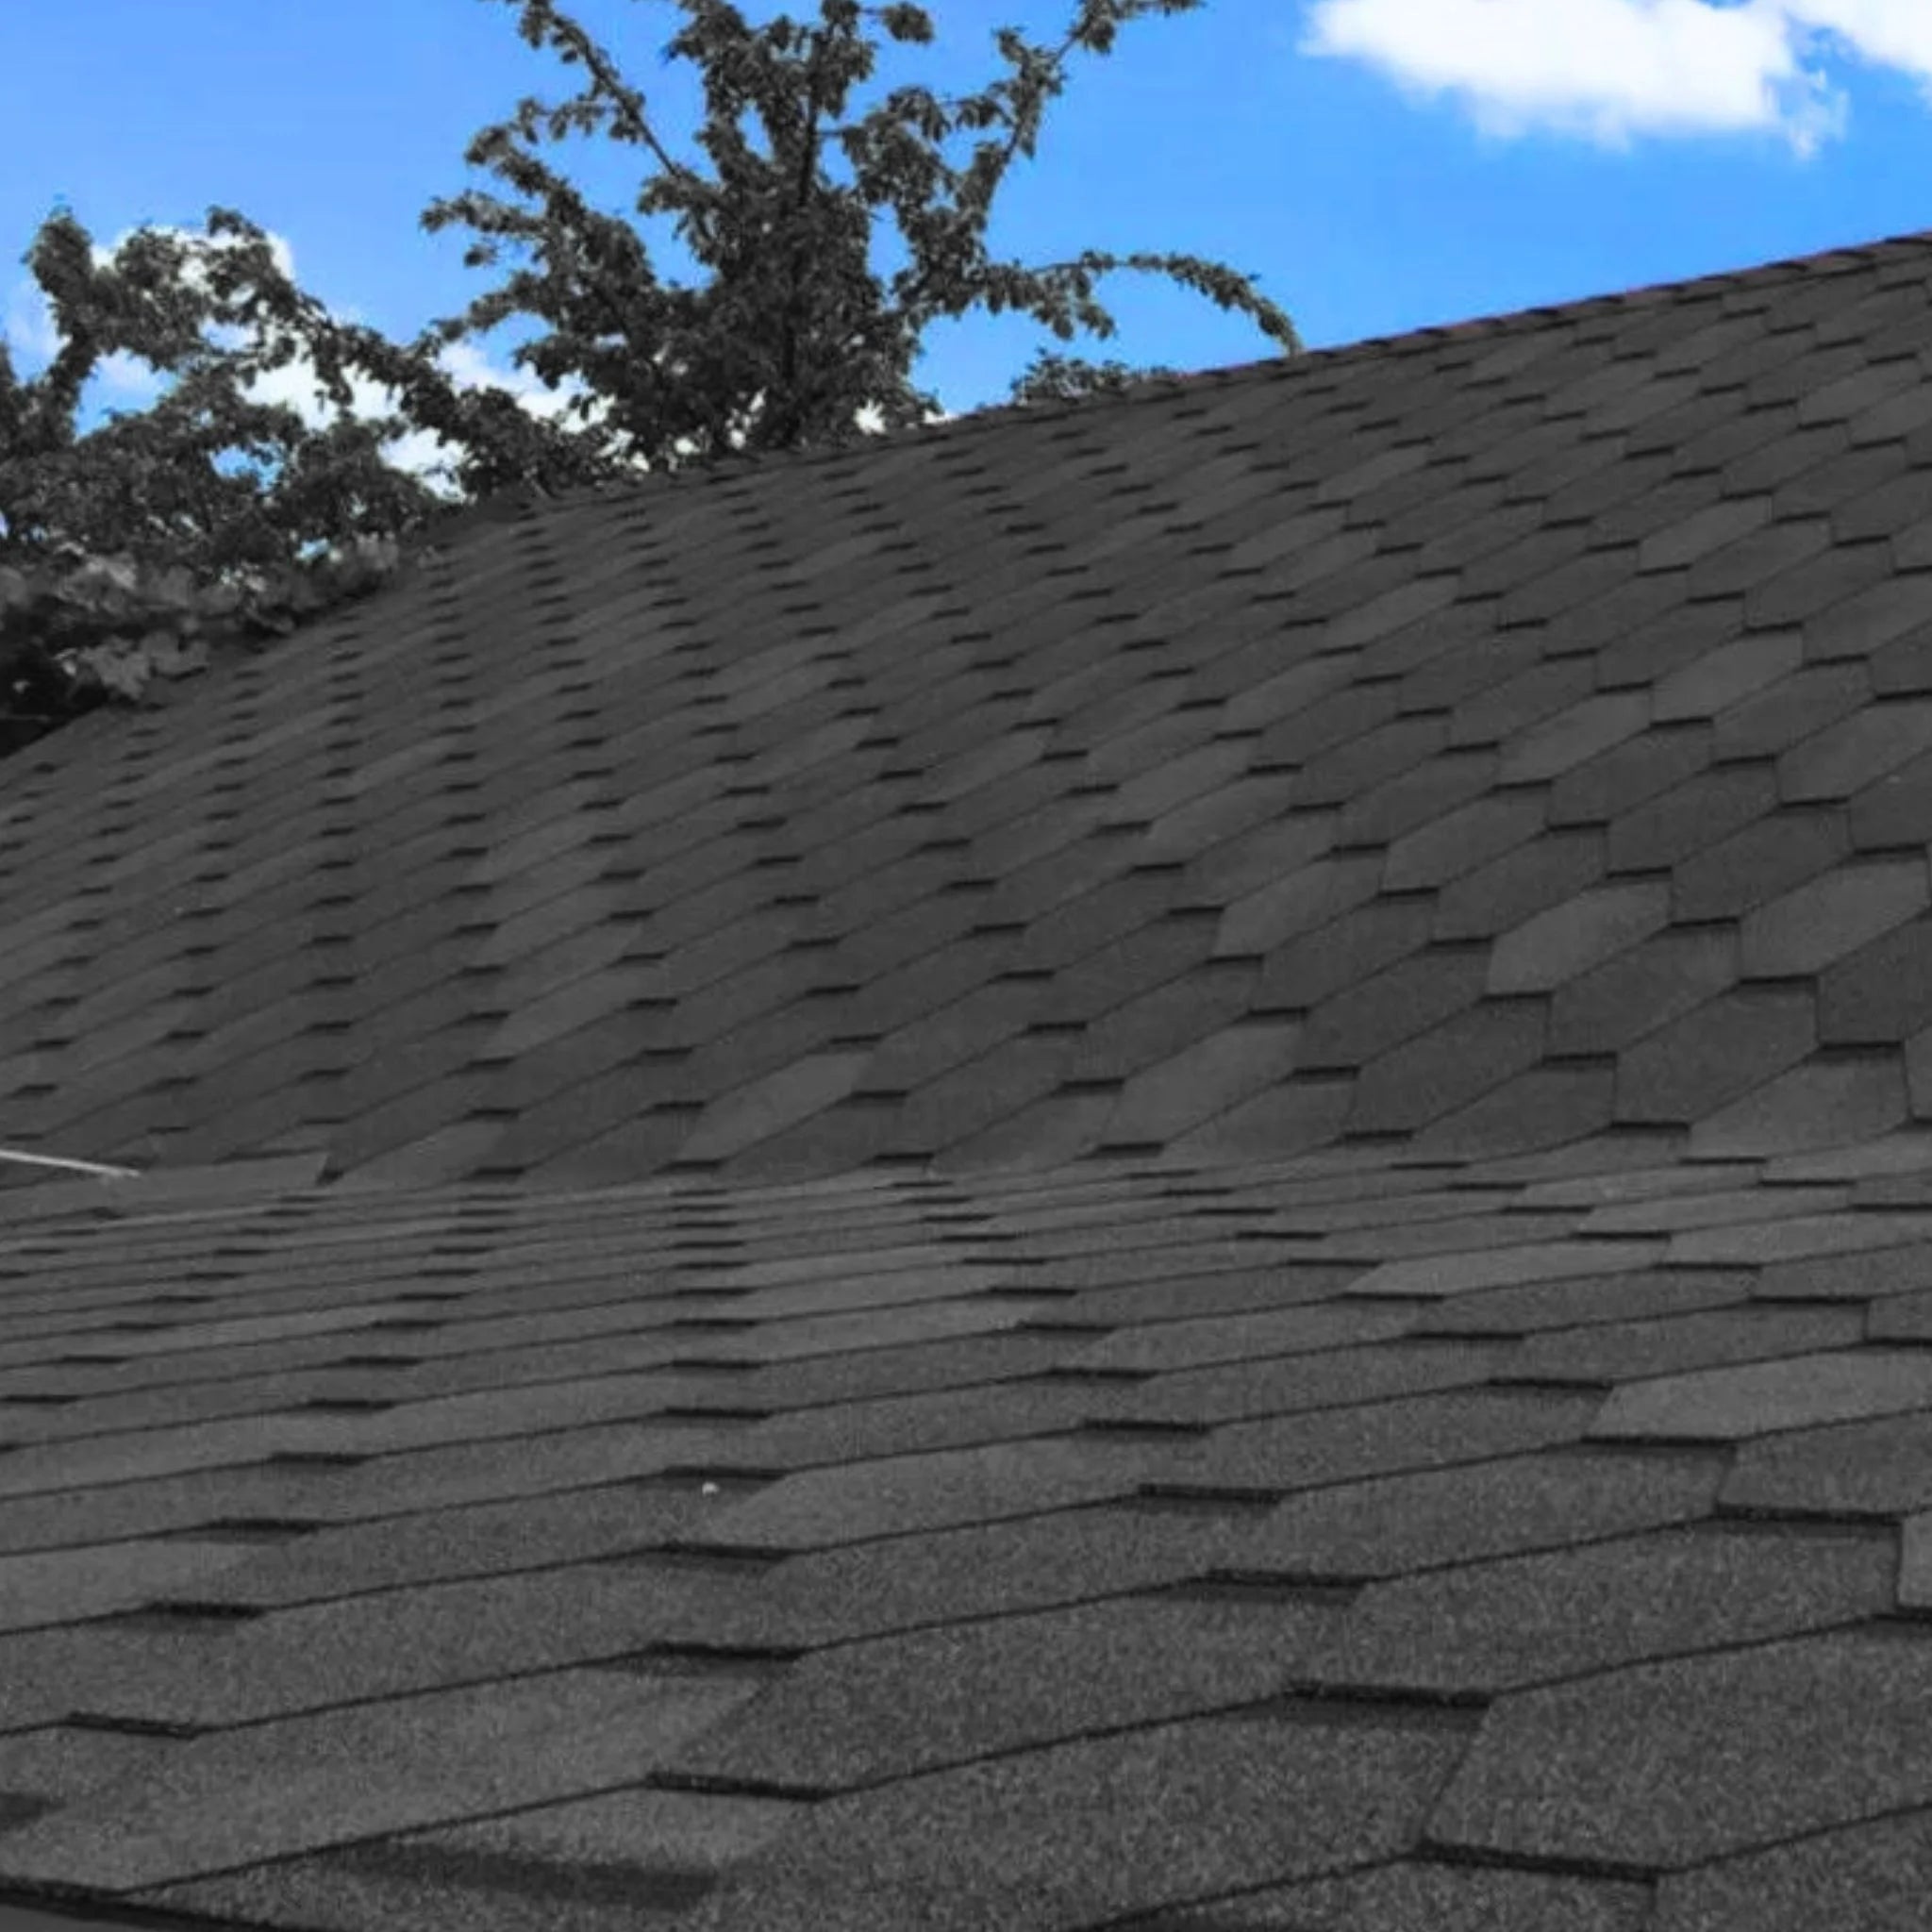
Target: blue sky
1380,165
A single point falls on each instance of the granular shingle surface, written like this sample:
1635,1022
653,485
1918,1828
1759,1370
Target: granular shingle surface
1156,1164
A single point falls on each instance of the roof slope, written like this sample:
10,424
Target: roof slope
1164,1166
1487,737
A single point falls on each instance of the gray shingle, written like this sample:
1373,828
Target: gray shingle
1317,1093
1872,1874
1728,1047
267,1791
1192,1810
837,1719
1411,1433
1539,1618
1667,1763
1414,1894
1567,940
1640,990
1816,924
1394,1524
1799,1391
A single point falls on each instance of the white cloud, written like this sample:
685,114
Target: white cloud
1608,70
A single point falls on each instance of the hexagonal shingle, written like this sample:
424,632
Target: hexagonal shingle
1208,1078
1394,1005
1434,1431
1458,1274
1693,815
901,1493
1756,1398
1819,1104
780,1100
1841,1469
1875,1875
1542,1107
1418,1892
1640,988
1422,1519
1300,902
1882,991
1462,839
1503,1623
1671,1763
1448,1067
1569,738
1720,678
837,1718
1847,756
1834,915
1569,939
1525,880
1725,1047
1307,970
1757,862
232,1797
1192,1808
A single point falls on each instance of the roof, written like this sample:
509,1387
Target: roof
1164,1164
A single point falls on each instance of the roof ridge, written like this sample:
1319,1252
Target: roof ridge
509,505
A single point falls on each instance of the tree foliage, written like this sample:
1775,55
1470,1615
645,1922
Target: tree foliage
128,553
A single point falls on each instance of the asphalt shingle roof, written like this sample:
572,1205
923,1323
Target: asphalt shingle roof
1157,1166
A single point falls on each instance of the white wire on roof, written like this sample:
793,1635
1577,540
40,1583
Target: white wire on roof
71,1165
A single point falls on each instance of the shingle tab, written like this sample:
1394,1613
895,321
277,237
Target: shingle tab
1519,1621
1816,924
1786,713
1770,856
1450,1898
231,1799
1718,679
1693,815
1603,789
1567,940
1532,878
1802,1392
1672,1763
837,1721
1415,994
1584,732
1728,1045
1880,993
1301,902
1642,989
1395,1524
1193,1808
1307,971
1462,840
1164,1100
1872,1874
1821,1103
1542,1107
1414,1084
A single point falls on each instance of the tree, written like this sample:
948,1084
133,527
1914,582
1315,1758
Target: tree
795,336
792,342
